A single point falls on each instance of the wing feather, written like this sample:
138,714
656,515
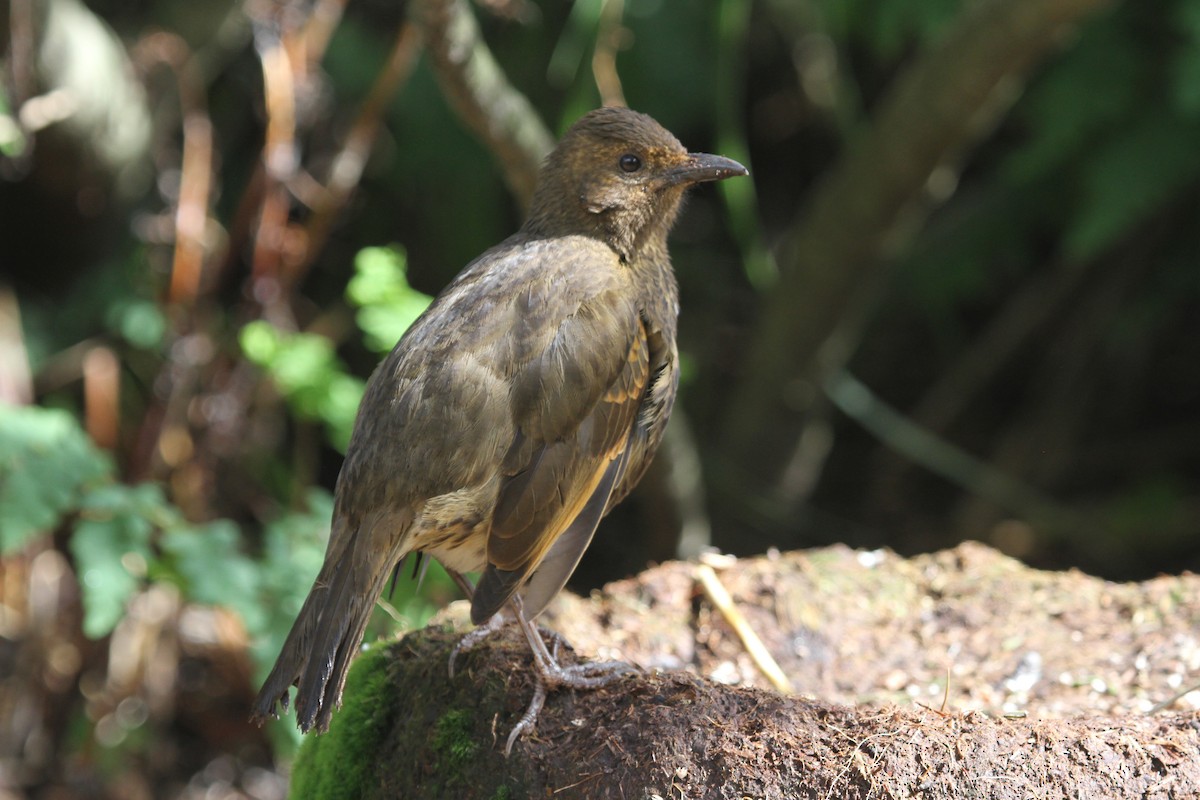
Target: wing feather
576,447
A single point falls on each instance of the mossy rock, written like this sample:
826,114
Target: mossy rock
340,765
409,730
383,724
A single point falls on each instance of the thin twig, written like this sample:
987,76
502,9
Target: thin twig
480,93
718,595
1157,707
347,167
195,180
873,199
16,379
1031,307
278,159
609,39
580,782
937,455
319,28
101,395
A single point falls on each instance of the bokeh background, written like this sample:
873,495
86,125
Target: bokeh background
959,298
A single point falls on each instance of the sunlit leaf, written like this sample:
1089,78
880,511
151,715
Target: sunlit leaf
308,373
387,304
46,461
259,341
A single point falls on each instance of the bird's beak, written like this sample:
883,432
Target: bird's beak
701,167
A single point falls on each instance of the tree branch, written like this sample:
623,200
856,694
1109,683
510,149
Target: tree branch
867,206
479,92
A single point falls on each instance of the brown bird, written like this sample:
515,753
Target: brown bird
523,405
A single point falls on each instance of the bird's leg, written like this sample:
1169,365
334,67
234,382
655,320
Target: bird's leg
471,639
474,637
549,674
589,675
463,583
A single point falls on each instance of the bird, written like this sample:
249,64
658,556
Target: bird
523,405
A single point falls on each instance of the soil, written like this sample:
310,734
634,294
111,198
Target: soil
959,674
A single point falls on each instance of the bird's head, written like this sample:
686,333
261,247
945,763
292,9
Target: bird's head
619,176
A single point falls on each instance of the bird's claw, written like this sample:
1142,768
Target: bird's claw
549,675
529,719
472,638
590,675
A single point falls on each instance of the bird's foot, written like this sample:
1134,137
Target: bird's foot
529,719
472,638
589,675
550,675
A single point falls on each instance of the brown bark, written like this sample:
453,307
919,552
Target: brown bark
872,635
478,90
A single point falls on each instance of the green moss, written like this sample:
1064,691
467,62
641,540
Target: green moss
454,742
391,740
341,764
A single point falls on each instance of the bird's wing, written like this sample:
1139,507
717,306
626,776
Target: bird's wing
574,405
644,438
647,433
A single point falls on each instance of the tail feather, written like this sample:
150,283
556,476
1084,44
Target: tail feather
317,653
338,636
293,658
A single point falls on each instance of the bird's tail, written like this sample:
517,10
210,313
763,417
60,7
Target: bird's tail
327,633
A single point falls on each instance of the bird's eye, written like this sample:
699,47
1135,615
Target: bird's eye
629,163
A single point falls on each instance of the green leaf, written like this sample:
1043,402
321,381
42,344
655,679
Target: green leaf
387,304
140,322
378,276
302,367
46,462
12,138
259,341
310,376
339,407
111,547
208,563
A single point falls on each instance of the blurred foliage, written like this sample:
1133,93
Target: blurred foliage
124,536
1038,316
304,366
387,305
305,369
46,461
